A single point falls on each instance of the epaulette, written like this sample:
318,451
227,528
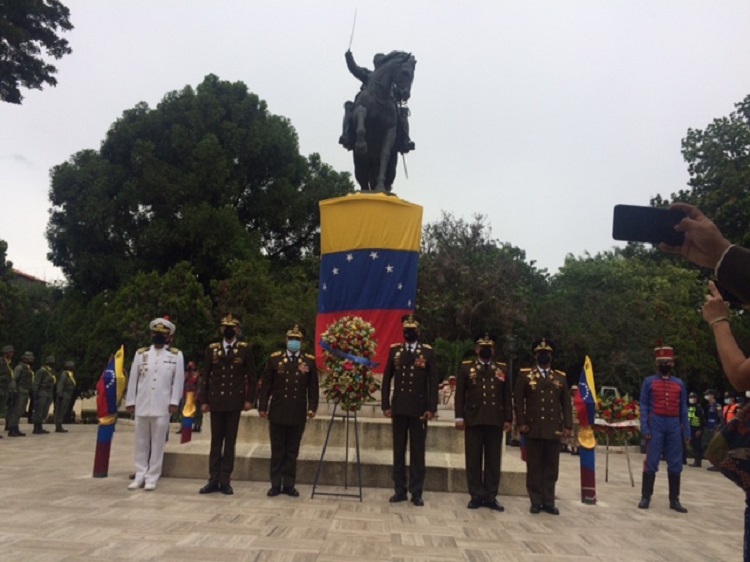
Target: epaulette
276,353
525,370
142,350
467,362
395,345
561,373
216,345
174,350
501,365
241,344
310,356
426,346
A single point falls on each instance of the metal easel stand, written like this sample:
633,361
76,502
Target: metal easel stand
627,456
347,419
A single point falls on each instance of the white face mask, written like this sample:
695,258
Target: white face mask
727,401
693,401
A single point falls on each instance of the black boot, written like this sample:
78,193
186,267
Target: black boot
15,432
674,492
39,430
60,429
647,489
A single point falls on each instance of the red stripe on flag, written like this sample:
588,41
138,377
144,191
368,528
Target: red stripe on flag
387,324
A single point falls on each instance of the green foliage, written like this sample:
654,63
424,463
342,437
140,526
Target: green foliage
10,312
209,176
470,283
26,28
449,355
616,310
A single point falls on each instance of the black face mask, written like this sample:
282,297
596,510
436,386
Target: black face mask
229,334
158,339
410,335
485,353
665,369
543,358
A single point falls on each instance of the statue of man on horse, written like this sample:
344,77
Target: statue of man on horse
376,123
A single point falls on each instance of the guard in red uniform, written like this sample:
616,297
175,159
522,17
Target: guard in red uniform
664,425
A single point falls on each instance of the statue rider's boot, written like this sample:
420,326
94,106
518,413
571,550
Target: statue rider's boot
647,489
674,492
345,139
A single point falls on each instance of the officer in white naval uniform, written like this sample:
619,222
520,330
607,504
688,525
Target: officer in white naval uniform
154,391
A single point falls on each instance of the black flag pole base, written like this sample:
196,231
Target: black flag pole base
347,418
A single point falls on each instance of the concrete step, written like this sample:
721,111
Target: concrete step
445,471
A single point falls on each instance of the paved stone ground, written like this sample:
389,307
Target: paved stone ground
52,509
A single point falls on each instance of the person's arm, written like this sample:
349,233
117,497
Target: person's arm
733,361
385,388
684,422
133,381
266,382
178,382
645,407
313,389
458,397
567,407
704,244
362,74
432,383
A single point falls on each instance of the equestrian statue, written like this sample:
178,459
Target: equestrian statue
376,125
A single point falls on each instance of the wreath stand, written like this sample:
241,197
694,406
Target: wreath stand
347,419
616,427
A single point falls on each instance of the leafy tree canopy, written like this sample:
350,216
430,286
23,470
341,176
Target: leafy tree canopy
28,27
209,176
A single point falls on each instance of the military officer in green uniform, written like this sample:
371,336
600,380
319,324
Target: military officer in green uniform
228,387
23,377
7,386
288,397
544,415
412,370
66,386
42,390
484,412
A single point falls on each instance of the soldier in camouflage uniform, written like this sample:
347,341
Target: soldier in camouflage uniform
66,386
288,397
43,389
23,377
7,387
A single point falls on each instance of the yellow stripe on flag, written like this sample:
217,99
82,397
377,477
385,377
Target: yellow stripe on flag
588,368
360,221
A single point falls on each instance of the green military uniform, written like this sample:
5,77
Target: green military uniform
43,389
412,369
23,377
228,383
7,386
483,403
543,408
66,385
288,393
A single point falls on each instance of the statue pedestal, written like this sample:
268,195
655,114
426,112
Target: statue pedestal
445,455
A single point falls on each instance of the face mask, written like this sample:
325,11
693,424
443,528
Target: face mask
293,345
706,398
410,335
485,353
665,369
229,334
693,401
727,401
543,358
158,339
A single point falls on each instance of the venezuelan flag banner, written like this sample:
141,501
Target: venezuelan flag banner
585,405
369,256
109,391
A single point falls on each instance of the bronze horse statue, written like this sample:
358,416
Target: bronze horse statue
375,120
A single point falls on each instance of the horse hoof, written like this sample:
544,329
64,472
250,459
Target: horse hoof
360,148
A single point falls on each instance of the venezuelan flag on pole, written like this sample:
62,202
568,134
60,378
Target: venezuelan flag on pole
585,405
109,391
369,255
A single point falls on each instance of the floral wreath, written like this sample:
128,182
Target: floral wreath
348,349
615,411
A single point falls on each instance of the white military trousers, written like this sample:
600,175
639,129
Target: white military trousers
150,438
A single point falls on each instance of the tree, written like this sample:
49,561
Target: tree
26,28
469,282
209,176
10,311
718,160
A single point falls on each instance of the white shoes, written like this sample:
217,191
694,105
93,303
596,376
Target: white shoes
150,486
134,485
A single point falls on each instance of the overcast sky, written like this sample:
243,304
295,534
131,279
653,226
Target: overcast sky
540,115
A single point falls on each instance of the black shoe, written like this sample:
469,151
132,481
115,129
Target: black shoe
474,504
226,489
273,492
417,500
697,464
396,498
209,488
179,431
291,491
644,503
196,430
677,506
38,431
551,509
535,509
713,469
494,505
61,430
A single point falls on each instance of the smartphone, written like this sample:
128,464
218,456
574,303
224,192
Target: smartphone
647,224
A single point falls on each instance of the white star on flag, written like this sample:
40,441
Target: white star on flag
335,270
389,268
400,286
374,255
349,257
